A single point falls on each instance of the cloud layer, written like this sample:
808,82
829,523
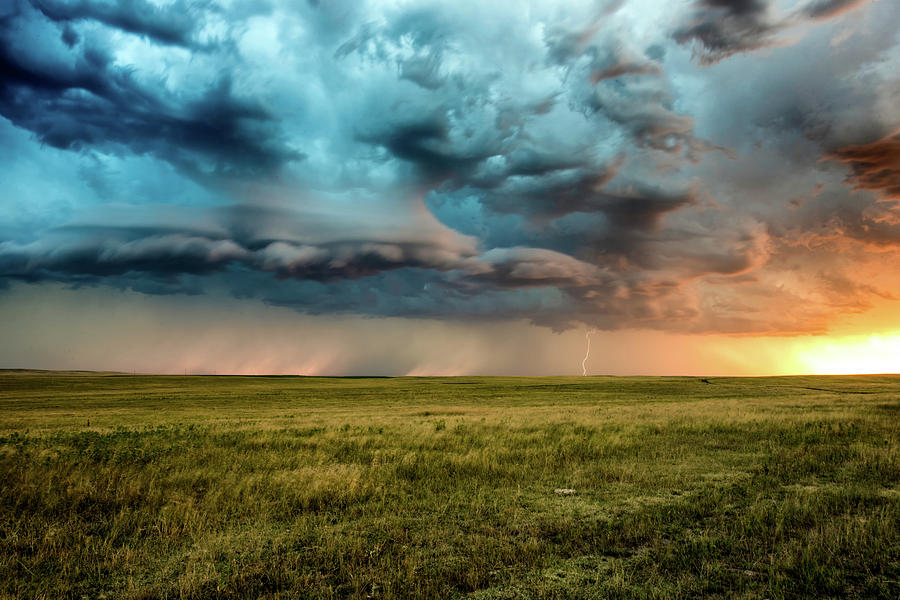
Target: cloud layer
719,166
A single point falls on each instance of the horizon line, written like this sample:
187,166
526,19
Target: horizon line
105,373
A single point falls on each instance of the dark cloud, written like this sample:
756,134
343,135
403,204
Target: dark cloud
875,166
82,99
723,28
638,206
69,36
826,9
172,24
433,147
280,240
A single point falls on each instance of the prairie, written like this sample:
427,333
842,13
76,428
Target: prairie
153,487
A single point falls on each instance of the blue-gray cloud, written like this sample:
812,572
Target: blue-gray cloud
566,164
75,96
170,25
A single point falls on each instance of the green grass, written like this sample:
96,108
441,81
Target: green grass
143,487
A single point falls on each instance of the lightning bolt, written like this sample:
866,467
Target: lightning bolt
587,353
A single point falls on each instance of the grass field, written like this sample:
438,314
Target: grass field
145,487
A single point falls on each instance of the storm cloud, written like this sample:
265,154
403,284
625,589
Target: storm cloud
723,28
875,166
570,164
72,95
170,25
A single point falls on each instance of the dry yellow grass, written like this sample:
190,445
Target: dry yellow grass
235,487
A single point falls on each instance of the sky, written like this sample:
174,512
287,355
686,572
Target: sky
700,187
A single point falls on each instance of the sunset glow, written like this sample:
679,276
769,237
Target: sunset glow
852,356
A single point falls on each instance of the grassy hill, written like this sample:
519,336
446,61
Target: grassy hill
143,487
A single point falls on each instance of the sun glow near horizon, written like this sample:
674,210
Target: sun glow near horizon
852,355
